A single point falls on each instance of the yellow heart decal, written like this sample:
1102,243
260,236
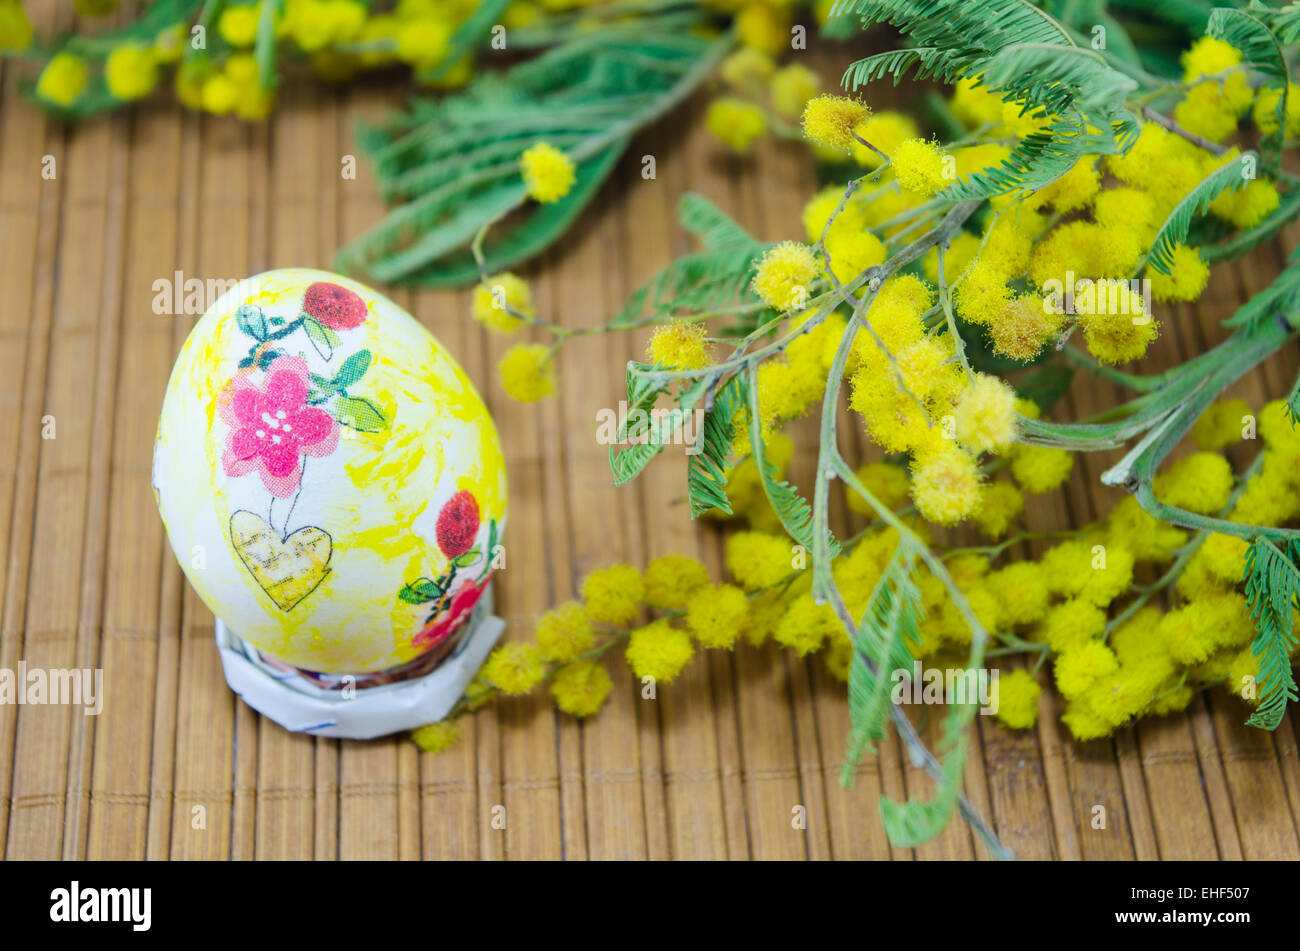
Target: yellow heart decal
287,569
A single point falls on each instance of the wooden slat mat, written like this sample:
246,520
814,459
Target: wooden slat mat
717,767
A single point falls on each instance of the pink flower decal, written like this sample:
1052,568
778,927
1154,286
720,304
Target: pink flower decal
272,427
336,307
445,624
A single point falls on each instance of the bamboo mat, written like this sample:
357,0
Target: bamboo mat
718,767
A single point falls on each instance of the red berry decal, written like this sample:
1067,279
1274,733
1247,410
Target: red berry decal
458,524
335,307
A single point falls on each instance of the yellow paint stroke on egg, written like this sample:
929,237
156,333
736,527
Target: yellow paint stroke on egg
391,463
389,541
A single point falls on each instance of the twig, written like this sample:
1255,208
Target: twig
1197,140
831,464
861,140
945,301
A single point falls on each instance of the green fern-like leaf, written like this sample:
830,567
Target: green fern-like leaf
661,430
928,62
531,235
1286,22
1022,54
706,466
642,389
961,24
1272,580
453,164
917,821
710,224
647,430
643,392
1086,99
1039,159
1293,404
949,38
1060,80
1282,296
1260,49
795,513
883,644
714,277
694,283
1228,177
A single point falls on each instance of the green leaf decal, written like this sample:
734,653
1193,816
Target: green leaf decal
267,357
322,338
252,321
353,369
491,548
468,558
324,384
916,821
420,591
359,413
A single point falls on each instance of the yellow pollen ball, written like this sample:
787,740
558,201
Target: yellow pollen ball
548,172
830,120
783,275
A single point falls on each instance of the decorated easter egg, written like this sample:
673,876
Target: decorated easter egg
330,480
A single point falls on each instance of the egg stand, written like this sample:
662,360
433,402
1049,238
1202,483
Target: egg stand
360,713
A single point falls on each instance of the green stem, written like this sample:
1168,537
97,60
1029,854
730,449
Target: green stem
831,464
945,301
1188,382
1184,555
1134,381
1136,470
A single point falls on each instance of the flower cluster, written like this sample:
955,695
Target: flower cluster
763,96
1115,655
338,38
1118,656
926,277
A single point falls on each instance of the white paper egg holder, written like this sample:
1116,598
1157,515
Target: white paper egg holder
400,698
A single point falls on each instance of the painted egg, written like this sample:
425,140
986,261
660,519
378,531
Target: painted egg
330,480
